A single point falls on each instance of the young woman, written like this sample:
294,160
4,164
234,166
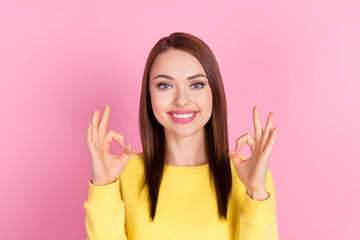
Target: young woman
186,184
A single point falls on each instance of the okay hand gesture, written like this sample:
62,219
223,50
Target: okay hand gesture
252,171
106,167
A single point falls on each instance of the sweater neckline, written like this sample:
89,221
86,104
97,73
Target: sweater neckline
186,169
180,169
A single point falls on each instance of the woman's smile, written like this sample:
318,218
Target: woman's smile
183,118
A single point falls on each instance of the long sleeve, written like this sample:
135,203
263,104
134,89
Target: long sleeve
105,213
258,221
186,208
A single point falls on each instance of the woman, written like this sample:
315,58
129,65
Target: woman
183,185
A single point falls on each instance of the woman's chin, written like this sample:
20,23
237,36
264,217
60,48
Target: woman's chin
184,132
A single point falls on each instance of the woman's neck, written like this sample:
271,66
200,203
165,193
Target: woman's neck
186,151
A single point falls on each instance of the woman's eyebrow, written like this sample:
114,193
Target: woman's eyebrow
171,78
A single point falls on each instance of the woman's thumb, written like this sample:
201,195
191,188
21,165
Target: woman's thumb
128,150
234,156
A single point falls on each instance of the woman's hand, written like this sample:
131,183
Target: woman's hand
106,168
252,171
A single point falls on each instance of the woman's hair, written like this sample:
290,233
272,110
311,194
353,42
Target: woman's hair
216,132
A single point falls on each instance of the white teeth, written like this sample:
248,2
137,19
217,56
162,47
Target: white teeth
183,115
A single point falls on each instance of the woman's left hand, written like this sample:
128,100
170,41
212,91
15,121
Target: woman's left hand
252,171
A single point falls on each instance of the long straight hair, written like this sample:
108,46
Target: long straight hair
216,131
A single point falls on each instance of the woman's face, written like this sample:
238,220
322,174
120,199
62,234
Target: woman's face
180,93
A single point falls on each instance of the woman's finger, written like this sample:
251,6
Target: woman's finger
95,122
104,122
110,137
235,157
269,146
257,124
246,138
89,140
265,136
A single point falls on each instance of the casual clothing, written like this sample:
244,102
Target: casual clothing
186,207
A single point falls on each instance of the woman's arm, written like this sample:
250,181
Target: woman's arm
258,221
105,213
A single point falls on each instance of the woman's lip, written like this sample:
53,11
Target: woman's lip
182,111
183,120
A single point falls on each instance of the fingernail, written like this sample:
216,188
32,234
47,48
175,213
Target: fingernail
130,145
124,145
94,109
258,106
105,104
88,123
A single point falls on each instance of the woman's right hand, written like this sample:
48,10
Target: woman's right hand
106,168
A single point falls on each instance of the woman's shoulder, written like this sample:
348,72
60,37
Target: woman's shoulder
137,155
135,165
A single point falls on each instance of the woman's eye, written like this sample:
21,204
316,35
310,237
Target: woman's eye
162,84
167,86
199,83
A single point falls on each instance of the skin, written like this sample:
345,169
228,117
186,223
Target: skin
106,167
252,171
185,142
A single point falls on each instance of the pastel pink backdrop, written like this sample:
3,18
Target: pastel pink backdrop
60,59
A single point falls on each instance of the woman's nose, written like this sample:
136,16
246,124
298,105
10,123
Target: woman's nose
181,97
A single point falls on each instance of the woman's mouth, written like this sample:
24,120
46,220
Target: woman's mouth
183,115
182,118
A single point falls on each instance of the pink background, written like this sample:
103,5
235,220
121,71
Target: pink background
60,59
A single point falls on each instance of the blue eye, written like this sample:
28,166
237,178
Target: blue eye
199,83
162,84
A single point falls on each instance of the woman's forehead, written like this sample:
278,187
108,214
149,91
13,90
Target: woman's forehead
176,63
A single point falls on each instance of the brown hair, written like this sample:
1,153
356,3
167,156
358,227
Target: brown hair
216,132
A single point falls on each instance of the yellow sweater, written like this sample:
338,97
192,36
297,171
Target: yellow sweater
186,208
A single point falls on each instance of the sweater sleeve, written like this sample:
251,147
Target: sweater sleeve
105,213
258,221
